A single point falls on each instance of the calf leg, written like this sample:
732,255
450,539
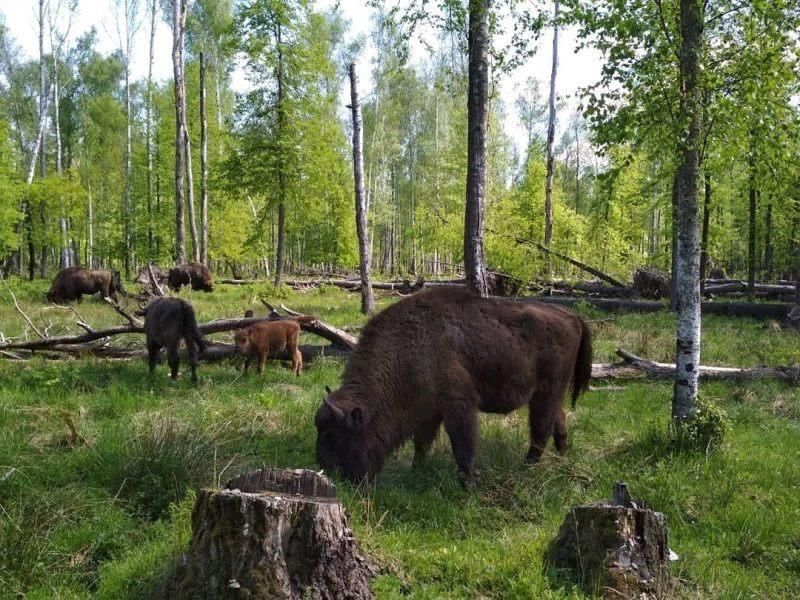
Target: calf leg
423,439
262,360
152,355
172,359
191,350
462,428
247,360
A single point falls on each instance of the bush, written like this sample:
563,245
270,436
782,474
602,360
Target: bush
707,430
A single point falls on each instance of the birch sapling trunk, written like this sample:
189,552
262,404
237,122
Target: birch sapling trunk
768,249
551,134
751,241
279,254
178,24
688,250
149,131
367,299
704,235
477,122
126,201
203,165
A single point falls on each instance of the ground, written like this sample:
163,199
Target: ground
99,463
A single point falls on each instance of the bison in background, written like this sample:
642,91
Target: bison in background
167,321
441,357
73,283
194,274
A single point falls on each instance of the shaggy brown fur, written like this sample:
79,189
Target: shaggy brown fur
194,274
265,337
167,322
440,357
72,283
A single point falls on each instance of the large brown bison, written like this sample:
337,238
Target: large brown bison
194,274
167,322
74,282
440,357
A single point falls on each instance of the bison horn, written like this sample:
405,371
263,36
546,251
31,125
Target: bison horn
336,410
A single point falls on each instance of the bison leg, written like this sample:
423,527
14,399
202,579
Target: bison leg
423,439
262,360
560,431
152,355
191,350
173,359
546,419
462,429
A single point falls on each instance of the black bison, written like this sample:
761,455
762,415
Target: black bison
194,274
72,283
167,321
440,357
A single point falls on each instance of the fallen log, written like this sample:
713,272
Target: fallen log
572,261
757,310
741,286
634,366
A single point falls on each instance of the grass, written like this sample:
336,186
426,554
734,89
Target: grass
99,464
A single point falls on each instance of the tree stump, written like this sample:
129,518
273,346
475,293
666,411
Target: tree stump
618,547
272,534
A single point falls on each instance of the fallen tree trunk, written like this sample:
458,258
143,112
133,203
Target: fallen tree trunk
635,366
741,286
756,310
572,261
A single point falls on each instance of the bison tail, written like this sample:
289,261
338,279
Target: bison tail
583,364
190,328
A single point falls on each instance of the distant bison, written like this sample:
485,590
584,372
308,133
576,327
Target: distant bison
440,357
194,274
167,321
260,339
75,282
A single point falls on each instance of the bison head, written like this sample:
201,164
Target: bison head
242,340
340,437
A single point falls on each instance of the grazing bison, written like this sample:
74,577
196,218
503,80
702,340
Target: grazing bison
260,339
167,321
440,357
73,282
194,274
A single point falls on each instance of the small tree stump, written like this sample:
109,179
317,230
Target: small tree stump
272,534
620,549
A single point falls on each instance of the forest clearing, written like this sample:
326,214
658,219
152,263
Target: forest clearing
101,464
322,300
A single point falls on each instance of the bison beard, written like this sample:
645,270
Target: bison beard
167,321
440,357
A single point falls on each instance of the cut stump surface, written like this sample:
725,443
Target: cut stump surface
272,534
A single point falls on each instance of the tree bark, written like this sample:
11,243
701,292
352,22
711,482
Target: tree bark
477,122
126,201
551,134
178,27
688,334
187,143
704,235
279,254
768,249
203,165
43,96
367,299
753,205
149,131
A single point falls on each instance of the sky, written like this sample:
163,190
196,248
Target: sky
576,69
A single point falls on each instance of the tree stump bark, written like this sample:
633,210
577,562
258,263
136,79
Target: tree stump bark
272,534
618,548
651,283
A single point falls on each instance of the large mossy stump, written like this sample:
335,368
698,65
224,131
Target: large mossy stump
272,534
618,548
